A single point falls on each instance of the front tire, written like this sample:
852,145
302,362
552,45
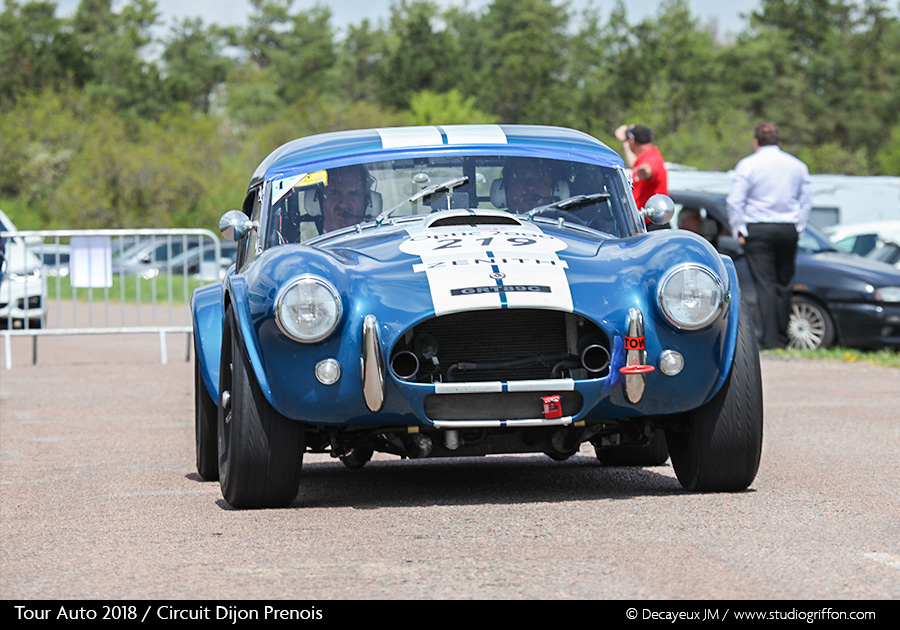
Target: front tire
260,451
721,447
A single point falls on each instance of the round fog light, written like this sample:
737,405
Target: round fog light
328,371
671,362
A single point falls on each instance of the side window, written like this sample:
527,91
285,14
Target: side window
698,219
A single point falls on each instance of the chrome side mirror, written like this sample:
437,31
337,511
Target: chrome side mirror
659,209
234,225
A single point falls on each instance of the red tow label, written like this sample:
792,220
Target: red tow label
635,343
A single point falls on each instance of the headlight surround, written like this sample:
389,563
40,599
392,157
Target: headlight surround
308,309
690,296
888,294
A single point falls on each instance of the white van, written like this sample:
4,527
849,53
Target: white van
23,288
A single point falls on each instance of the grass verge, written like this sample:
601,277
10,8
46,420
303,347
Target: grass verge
885,357
128,290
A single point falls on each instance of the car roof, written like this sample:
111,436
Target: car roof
712,201
341,148
697,196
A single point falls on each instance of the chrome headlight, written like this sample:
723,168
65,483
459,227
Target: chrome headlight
888,294
308,309
690,296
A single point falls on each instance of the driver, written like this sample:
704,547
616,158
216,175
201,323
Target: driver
529,183
345,198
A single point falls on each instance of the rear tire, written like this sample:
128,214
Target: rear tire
654,453
260,451
206,413
720,451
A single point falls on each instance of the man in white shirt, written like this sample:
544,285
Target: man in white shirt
768,207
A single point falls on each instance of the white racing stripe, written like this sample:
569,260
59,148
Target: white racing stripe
474,134
490,267
401,137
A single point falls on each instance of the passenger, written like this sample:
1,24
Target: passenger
691,220
529,183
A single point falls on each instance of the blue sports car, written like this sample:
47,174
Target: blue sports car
466,290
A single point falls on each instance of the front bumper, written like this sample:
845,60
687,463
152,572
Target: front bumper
22,300
867,325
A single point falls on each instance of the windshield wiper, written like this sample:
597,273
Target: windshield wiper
570,203
448,186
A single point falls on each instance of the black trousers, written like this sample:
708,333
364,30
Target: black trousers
771,250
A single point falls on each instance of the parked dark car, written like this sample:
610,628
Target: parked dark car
839,298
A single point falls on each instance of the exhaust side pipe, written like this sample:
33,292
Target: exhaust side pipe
595,358
405,365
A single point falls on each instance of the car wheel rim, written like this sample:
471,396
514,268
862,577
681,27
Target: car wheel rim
806,328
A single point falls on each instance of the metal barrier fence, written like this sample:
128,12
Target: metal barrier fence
100,282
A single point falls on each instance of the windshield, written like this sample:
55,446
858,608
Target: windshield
306,205
814,240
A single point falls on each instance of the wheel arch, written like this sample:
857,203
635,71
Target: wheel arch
731,335
236,296
208,315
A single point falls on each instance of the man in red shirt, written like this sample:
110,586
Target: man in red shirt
648,167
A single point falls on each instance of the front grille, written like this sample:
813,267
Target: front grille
495,345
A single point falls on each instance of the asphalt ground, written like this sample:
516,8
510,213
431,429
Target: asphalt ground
100,500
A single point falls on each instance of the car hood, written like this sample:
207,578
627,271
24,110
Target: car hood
19,258
872,271
439,237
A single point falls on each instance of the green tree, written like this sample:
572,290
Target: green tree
419,54
194,64
252,95
296,50
430,108
37,51
525,74
826,71
888,156
470,32
40,135
359,56
599,88
116,47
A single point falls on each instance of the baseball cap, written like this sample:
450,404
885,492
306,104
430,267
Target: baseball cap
640,134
